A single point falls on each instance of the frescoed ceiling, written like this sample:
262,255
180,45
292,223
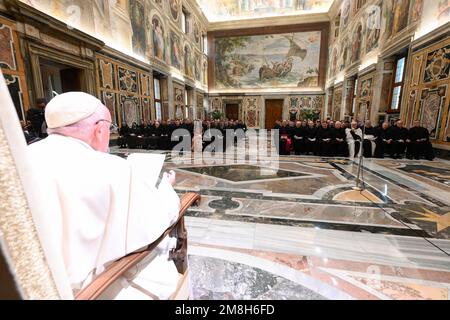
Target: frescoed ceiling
226,10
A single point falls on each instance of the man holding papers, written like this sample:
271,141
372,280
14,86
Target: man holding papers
110,207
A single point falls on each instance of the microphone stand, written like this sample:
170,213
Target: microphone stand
360,186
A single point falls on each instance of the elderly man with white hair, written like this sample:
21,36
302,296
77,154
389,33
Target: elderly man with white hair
107,209
354,139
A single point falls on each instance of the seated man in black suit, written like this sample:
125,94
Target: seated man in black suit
324,140
384,141
340,146
399,136
419,144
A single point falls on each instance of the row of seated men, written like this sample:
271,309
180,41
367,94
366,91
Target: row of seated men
158,135
330,139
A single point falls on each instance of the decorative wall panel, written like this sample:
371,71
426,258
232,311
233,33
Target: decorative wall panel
7,56
200,108
431,106
251,112
337,103
428,90
178,91
12,67
438,65
125,90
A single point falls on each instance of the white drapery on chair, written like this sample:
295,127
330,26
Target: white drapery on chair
27,241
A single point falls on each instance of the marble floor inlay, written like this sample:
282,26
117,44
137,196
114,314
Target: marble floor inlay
300,230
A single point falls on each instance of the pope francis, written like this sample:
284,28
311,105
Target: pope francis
107,209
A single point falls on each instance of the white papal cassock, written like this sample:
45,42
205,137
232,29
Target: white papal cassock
351,141
107,211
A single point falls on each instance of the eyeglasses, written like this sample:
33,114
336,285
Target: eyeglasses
113,128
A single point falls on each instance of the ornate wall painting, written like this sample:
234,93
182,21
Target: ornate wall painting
333,63
225,10
251,112
318,103
412,98
7,56
129,106
417,10
130,21
158,39
175,8
356,45
137,18
443,11
127,80
197,37
106,74
216,104
330,104
431,106
294,108
446,136
125,92
344,55
205,73
200,109
268,61
417,69
366,89
198,68
373,30
388,14
146,106
349,91
401,11
305,103
145,84
337,104
188,63
437,65
12,67
345,13
16,92
109,100
179,101
175,54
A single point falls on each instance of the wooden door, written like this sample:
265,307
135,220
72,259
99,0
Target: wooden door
232,111
274,112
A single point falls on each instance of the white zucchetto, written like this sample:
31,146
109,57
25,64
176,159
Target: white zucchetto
70,108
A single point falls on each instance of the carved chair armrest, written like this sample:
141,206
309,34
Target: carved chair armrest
119,267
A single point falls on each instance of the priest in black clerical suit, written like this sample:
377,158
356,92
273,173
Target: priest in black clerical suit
310,138
384,141
400,136
299,138
325,140
419,144
340,147
164,138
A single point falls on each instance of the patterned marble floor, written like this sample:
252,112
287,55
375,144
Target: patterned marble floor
300,231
